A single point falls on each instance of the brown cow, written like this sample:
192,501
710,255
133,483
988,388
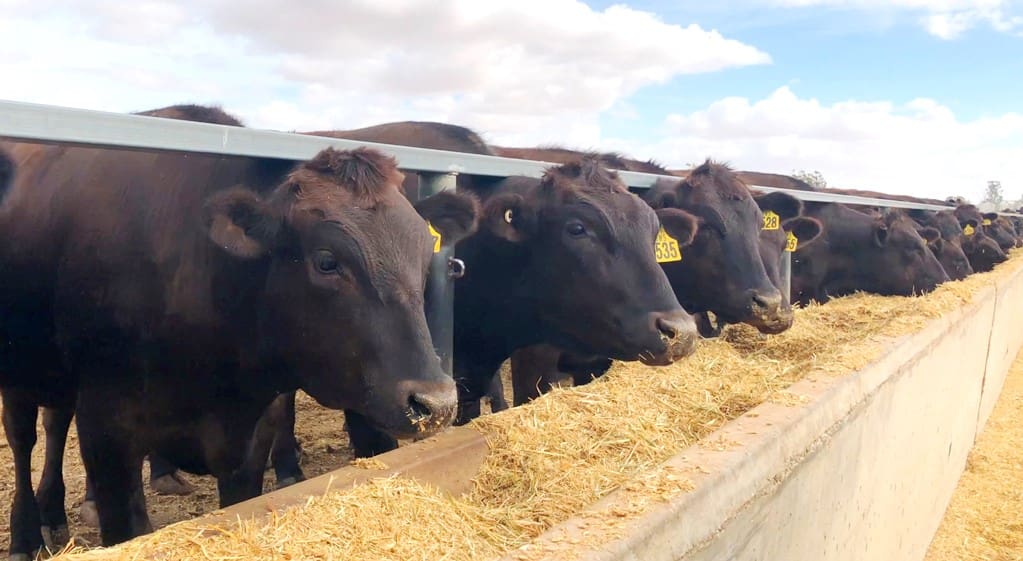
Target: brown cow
723,271
882,255
424,134
181,293
570,276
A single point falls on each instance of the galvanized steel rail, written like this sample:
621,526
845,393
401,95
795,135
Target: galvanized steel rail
32,122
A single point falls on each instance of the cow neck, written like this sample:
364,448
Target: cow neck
493,307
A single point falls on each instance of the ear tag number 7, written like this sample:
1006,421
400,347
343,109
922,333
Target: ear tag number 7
436,237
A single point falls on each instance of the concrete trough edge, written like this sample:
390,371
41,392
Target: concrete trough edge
449,460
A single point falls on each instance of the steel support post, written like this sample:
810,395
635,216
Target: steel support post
440,286
786,274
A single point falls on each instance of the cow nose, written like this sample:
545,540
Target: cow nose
430,406
678,335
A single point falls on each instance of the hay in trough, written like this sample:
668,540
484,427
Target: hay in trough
566,450
984,521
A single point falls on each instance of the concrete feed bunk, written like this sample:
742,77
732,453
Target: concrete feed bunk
867,409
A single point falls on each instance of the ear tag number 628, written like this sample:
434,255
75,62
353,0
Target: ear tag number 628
771,220
666,248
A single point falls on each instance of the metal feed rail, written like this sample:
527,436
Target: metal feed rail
51,124
32,122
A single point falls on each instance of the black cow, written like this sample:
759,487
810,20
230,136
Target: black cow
727,270
857,252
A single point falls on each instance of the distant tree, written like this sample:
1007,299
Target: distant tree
993,194
1014,205
814,178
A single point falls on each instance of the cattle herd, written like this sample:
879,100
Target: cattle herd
173,303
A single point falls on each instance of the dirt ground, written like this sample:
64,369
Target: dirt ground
319,431
324,446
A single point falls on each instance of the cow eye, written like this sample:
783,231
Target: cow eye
325,262
575,229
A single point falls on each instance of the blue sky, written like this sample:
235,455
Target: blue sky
906,96
838,54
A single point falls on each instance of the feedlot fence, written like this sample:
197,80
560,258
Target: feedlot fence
437,169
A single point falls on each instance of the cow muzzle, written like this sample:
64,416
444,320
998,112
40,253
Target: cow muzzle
678,335
429,407
767,311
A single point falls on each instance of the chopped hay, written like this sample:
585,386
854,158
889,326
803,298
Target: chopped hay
984,521
555,456
369,463
373,521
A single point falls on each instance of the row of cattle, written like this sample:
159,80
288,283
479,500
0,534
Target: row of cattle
173,303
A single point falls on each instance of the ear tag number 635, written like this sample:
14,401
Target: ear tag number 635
666,248
791,242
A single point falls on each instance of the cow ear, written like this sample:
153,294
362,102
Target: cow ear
679,224
804,228
784,205
969,222
880,234
454,215
937,246
507,216
990,215
930,234
662,195
241,223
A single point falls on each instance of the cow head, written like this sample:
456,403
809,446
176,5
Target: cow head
949,254
982,251
345,257
902,263
773,243
999,230
723,271
583,254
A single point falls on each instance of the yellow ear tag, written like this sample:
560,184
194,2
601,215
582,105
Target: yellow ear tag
791,242
666,248
436,237
771,221
986,222
968,230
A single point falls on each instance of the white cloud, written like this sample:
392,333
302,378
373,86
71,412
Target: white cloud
545,67
917,148
946,19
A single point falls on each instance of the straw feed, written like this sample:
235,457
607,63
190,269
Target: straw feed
984,521
555,456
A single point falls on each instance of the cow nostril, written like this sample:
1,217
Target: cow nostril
759,300
418,411
669,328
766,300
